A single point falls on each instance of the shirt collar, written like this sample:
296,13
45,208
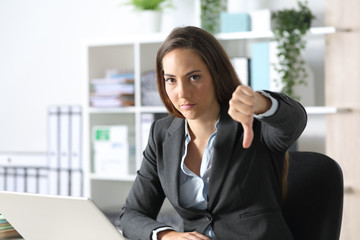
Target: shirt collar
187,134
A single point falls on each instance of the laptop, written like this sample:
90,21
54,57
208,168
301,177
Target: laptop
47,217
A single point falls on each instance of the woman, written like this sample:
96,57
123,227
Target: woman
219,157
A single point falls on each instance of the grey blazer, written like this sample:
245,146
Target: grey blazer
245,184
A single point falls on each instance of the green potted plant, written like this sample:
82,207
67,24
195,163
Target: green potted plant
290,27
210,14
154,5
150,13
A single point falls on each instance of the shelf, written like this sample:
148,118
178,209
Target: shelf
155,109
112,110
160,37
322,110
269,34
127,178
128,39
159,109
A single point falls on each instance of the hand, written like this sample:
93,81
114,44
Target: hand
171,234
243,104
241,109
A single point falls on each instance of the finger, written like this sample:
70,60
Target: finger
244,95
248,135
240,112
246,90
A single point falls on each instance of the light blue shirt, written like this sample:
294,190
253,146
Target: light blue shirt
194,188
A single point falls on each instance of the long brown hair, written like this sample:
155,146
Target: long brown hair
284,177
211,52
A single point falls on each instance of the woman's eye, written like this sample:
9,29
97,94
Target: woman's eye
169,80
195,77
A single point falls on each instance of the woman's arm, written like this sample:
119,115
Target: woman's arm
286,125
279,130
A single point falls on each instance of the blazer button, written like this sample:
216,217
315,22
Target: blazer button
209,218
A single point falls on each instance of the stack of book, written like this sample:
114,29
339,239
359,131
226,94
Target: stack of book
115,91
6,230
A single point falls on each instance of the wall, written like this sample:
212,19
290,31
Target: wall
342,90
40,59
40,56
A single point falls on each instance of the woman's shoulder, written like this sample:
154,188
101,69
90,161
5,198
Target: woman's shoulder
168,123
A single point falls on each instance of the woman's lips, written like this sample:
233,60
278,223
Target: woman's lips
187,106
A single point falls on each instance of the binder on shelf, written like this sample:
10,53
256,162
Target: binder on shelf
65,182
53,145
10,179
235,22
54,182
65,137
77,183
76,174
23,172
42,185
263,74
21,180
132,150
146,120
261,20
111,150
149,92
2,178
32,180
242,68
76,139
64,150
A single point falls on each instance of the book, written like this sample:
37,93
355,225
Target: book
263,74
111,150
261,20
235,22
116,90
146,120
149,92
242,68
116,100
6,230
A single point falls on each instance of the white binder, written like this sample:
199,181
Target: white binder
65,124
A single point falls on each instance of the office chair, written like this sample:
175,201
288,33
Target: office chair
314,204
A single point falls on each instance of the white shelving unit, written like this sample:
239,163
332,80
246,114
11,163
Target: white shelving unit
137,53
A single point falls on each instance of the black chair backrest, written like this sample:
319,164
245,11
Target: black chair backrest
314,203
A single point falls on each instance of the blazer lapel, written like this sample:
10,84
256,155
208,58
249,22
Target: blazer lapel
224,143
173,149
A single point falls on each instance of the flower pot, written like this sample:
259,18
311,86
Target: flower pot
150,21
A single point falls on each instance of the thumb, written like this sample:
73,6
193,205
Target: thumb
248,134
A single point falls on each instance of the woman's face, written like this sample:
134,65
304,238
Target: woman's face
189,85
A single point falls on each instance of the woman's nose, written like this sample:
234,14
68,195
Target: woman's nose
183,89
